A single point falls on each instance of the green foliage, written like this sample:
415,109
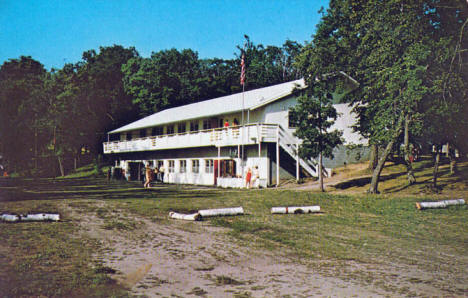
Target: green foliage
22,107
49,120
410,60
313,117
269,65
169,78
392,49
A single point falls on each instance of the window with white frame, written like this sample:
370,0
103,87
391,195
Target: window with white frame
181,127
209,166
194,126
292,119
157,131
170,129
171,166
195,166
183,166
206,124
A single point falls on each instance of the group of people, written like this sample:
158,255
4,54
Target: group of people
235,123
152,174
252,177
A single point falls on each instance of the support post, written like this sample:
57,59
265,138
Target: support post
277,157
219,161
259,141
297,162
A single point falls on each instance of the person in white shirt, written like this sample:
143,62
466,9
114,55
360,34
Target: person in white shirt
255,177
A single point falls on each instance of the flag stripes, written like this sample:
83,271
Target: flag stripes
242,77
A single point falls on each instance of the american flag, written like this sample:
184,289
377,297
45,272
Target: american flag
242,77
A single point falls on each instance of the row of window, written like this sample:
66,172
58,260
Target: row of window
195,164
182,127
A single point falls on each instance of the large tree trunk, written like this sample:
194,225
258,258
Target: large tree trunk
62,171
408,162
453,164
374,157
373,189
436,168
321,172
452,159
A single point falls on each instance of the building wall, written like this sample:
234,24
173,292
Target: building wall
273,113
203,177
347,155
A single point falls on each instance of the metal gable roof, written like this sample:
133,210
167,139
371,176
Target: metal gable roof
218,106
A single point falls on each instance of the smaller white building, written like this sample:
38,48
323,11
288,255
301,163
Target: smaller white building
215,142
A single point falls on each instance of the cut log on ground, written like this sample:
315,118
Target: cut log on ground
221,212
193,217
30,217
439,204
295,210
10,217
40,217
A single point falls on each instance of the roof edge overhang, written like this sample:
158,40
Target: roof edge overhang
122,129
275,98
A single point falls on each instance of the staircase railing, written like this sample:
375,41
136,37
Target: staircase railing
291,146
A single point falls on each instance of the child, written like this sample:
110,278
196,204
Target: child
248,177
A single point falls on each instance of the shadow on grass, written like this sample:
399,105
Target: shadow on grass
362,181
423,175
15,189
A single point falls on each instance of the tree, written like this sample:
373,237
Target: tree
101,91
21,109
67,114
445,118
314,115
386,47
269,65
169,78
86,100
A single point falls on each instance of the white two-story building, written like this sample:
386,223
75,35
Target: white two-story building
214,142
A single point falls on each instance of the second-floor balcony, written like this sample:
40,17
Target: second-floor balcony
219,137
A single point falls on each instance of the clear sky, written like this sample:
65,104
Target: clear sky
55,32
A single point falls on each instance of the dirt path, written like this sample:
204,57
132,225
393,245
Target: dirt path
189,259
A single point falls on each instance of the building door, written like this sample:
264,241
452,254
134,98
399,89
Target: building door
215,171
214,122
135,170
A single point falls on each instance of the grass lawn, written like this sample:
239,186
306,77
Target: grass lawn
55,259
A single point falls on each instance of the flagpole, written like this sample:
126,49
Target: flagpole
243,129
242,80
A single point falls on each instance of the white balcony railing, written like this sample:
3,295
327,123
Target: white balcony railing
226,136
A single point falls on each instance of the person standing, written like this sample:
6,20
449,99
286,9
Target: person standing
255,177
161,171
148,176
156,174
248,177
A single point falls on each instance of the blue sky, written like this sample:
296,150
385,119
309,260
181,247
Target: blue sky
55,32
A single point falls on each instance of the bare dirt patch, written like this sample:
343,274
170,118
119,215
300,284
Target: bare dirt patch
190,259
